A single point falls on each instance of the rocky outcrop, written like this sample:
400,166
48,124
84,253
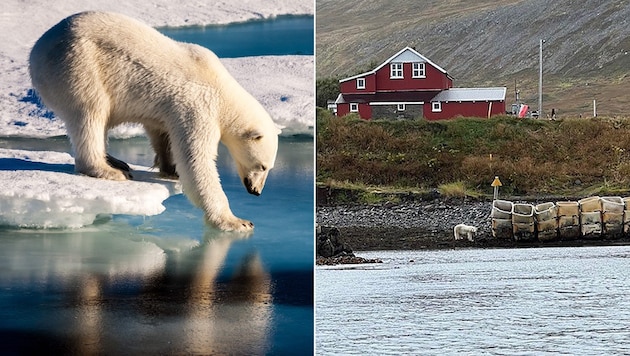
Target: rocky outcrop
332,250
329,244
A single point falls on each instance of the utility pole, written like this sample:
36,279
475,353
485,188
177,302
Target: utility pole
540,52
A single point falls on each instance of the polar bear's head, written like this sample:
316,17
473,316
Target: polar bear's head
255,155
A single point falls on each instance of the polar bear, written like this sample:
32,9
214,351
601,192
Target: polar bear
96,70
460,230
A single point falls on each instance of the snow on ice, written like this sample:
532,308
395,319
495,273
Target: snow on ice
41,190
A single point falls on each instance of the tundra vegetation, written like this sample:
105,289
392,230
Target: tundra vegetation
568,157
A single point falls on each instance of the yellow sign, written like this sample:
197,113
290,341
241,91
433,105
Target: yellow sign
496,182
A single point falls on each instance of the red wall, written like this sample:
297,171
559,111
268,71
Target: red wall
380,81
449,110
365,110
350,87
343,109
467,109
434,79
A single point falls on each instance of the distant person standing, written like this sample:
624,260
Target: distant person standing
553,114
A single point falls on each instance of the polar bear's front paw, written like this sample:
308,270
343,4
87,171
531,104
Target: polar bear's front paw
235,224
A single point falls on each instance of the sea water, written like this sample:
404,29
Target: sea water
286,35
168,283
537,301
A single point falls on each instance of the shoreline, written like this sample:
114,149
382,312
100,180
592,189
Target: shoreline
428,225
379,239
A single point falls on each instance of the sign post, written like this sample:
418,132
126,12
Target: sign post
496,183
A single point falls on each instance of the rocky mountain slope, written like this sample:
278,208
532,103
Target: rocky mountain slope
491,43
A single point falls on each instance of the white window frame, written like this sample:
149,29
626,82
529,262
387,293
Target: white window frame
354,107
360,83
396,70
400,107
436,106
418,70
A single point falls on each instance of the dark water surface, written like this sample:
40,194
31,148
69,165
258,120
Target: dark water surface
538,301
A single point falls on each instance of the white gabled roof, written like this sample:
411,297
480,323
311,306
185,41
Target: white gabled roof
405,55
471,94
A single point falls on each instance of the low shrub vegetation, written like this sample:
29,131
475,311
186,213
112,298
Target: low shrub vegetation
531,157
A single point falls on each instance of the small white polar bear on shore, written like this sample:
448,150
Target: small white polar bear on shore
97,70
460,230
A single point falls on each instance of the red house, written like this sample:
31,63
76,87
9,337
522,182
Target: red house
408,85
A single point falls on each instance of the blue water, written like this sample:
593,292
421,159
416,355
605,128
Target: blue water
285,35
549,301
168,284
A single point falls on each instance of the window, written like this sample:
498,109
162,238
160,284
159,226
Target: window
360,83
396,71
354,107
418,70
436,106
401,107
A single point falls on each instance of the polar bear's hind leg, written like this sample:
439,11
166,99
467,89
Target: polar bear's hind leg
161,144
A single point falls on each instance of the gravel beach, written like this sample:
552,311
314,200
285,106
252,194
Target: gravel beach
408,225
427,224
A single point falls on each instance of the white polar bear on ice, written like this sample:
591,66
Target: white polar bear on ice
96,70
462,229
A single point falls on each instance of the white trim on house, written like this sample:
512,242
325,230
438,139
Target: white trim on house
396,71
420,71
400,107
436,106
354,107
361,83
377,103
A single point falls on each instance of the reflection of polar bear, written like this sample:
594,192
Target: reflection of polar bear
463,229
97,70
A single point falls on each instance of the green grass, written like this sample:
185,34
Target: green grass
457,190
462,156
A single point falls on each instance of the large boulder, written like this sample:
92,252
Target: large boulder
330,244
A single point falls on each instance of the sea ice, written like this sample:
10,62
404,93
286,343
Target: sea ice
282,84
41,190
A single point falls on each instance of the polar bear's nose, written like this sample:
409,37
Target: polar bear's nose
250,187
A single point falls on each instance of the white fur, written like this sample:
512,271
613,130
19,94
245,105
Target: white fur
96,70
460,230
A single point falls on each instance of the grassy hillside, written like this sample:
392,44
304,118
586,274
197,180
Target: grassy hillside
532,157
491,43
